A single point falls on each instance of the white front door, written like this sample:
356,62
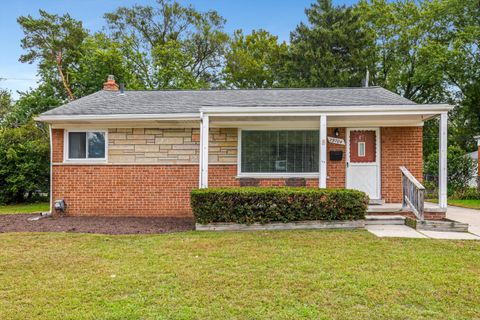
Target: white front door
363,161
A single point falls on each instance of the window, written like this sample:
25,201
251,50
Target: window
361,149
86,145
279,151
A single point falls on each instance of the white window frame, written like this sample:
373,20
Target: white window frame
241,174
66,143
359,154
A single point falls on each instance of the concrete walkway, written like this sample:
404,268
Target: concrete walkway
470,216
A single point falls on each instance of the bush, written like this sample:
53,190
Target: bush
467,194
461,168
248,205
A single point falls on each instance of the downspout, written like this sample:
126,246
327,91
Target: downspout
51,170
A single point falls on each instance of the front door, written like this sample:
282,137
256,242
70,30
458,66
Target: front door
363,161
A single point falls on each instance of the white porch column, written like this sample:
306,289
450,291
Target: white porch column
442,170
204,123
322,164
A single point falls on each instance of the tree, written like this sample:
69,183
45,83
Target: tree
333,49
99,57
149,34
30,104
403,31
24,158
54,41
254,60
6,104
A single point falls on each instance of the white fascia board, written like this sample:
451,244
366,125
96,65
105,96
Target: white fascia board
332,110
119,117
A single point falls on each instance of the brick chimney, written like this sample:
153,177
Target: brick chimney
110,85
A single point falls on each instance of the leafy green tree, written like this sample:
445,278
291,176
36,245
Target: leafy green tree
6,104
100,57
403,32
254,60
54,42
30,104
333,49
24,158
149,34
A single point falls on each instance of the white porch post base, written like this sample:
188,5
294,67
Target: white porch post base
322,164
442,170
204,134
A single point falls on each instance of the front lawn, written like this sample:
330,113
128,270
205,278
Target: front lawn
243,275
24,208
472,204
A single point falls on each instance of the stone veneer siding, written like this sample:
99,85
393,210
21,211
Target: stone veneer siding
169,146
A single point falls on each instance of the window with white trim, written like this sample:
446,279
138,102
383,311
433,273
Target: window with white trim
279,151
86,145
361,149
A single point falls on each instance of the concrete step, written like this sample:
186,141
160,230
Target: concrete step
384,220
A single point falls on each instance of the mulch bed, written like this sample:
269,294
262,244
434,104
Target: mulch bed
104,225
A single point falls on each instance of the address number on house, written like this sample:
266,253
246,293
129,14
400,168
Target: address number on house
336,140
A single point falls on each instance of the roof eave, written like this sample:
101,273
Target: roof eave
118,117
387,109
416,109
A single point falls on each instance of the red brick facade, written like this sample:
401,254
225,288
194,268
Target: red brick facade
400,146
57,139
336,169
163,190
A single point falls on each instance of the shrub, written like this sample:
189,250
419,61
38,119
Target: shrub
248,205
467,194
461,168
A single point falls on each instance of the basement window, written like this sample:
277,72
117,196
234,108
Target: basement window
86,145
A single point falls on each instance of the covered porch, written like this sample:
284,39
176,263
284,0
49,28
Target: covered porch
358,147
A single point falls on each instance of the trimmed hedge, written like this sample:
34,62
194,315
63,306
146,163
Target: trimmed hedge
249,205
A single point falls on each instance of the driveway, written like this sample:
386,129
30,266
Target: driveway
470,216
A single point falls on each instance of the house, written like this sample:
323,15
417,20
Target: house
119,152
474,156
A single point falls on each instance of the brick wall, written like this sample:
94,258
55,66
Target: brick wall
336,169
125,190
57,140
401,146
169,146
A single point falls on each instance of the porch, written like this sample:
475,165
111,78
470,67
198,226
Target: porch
334,129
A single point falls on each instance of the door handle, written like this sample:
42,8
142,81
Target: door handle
348,164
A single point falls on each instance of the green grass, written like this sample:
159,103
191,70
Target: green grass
472,204
24,208
248,275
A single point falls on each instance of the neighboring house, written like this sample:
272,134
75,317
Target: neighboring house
474,155
141,152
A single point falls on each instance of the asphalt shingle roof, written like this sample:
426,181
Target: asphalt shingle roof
190,101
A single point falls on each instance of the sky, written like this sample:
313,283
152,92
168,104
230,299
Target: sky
277,16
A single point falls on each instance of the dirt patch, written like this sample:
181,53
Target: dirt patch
105,225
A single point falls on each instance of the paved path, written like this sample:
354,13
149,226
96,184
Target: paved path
470,216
